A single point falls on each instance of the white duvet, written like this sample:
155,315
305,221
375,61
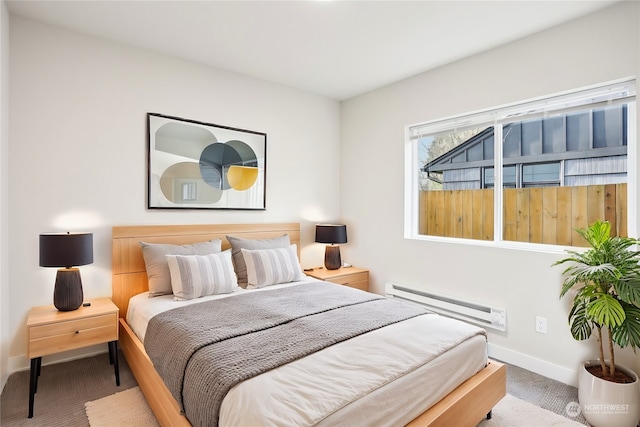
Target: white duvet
386,377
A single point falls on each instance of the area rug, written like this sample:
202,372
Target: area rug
125,408
511,411
129,408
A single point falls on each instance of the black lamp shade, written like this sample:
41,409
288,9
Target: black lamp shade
66,250
332,234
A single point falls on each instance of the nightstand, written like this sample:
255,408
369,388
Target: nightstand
349,276
51,331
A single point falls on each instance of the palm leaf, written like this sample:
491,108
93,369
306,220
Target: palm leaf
606,310
628,290
629,332
596,234
580,325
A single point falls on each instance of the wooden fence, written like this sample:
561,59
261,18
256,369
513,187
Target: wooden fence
547,215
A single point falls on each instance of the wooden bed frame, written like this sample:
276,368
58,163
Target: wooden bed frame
467,405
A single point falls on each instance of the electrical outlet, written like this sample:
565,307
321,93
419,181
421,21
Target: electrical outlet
541,324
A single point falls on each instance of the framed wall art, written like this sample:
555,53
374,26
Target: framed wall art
197,165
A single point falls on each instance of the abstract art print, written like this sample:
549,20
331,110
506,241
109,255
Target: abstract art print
197,165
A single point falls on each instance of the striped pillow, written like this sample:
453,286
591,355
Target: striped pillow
155,261
272,266
194,276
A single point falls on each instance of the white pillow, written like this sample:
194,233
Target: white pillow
194,276
272,266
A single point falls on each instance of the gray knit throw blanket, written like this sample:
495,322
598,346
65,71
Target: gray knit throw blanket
201,351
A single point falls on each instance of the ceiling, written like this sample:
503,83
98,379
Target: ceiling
338,49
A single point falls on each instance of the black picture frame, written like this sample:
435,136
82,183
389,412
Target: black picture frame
198,165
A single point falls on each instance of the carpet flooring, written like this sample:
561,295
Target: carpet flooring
64,388
513,412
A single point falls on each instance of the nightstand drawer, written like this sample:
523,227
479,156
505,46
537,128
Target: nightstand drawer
356,280
55,337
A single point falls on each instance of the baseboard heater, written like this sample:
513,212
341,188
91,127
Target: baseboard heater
479,314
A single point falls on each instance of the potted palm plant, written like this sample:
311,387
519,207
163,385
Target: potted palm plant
605,280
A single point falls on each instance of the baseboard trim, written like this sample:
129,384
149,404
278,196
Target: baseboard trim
22,363
533,364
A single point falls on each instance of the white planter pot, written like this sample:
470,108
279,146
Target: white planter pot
607,404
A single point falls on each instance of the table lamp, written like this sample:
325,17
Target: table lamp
332,234
66,250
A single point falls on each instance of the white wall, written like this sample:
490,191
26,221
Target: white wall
597,48
4,186
78,151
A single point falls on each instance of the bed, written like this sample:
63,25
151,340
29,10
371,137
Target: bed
463,403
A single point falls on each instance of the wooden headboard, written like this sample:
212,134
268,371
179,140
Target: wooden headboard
129,276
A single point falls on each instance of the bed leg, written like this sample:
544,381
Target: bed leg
489,415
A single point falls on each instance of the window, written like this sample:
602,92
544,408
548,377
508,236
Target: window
526,175
562,161
541,175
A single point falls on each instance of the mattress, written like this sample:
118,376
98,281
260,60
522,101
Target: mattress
384,377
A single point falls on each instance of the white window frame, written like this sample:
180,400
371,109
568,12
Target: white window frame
610,93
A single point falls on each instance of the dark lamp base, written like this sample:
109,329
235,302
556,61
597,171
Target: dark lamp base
332,259
67,294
